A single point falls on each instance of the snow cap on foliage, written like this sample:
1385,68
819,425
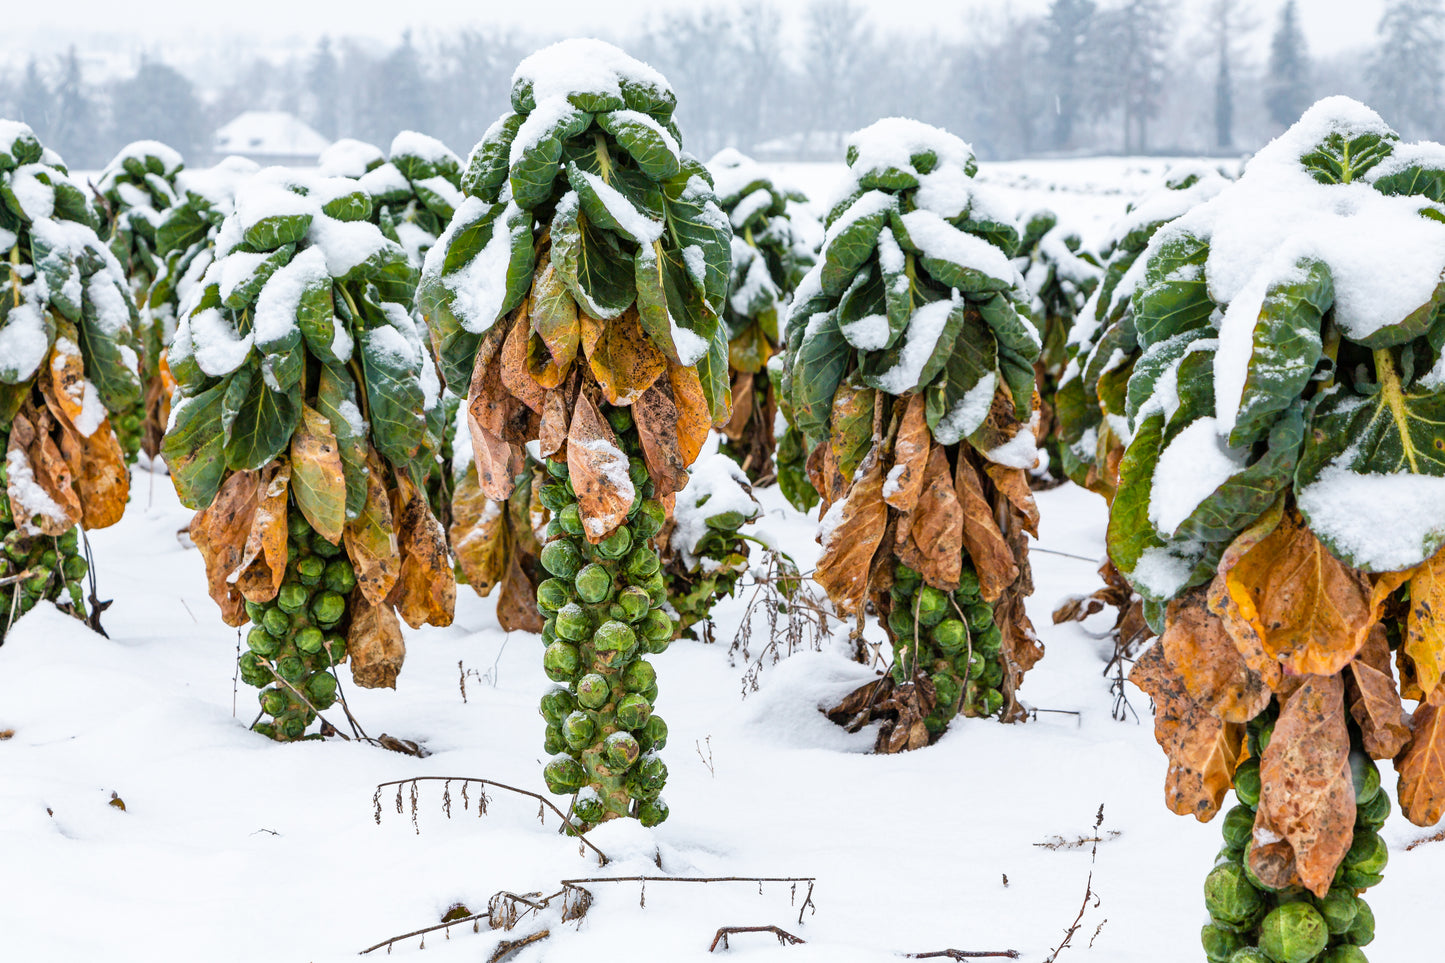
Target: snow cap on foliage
349,157
582,67
716,486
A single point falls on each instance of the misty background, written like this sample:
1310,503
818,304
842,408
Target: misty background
782,81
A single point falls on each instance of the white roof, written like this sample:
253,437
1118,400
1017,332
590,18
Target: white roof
260,133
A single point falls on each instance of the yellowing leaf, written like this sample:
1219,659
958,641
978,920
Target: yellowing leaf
220,531
1204,657
623,358
426,590
374,644
263,567
693,419
1422,768
316,475
851,535
910,456
370,537
40,486
516,376
1424,642
478,535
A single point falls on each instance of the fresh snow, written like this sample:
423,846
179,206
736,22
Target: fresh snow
920,339
1385,521
583,65
935,237
1191,468
715,485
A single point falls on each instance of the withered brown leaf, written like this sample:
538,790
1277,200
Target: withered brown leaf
693,419
263,566
598,469
623,359
656,416
478,534
517,599
516,377
1013,484
910,456
1201,652
742,388
40,485
1377,709
374,644
852,532
426,590
930,537
370,537
1422,768
992,557
316,476
220,531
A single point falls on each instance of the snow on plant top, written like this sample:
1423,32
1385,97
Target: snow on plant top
718,495
592,74
349,157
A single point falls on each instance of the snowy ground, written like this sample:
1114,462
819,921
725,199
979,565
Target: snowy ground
235,848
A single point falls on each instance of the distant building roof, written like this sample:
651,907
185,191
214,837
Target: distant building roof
262,134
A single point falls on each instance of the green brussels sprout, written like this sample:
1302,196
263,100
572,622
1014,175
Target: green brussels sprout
1238,826
1339,908
554,496
290,668
297,526
261,642
980,616
69,542
946,688
633,603
649,521
325,549
573,623
339,576
292,727
254,671
933,605
553,594
904,575
992,674
992,702
75,568
264,729
967,585
1246,782
557,704
588,807
1344,953
647,778
614,637
1293,932
1249,954
1374,813
1366,777
310,640
1362,930
653,736
616,544
1368,853
561,661
579,730
328,607
621,750
651,812
321,687
639,676
335,647
1230,898
650,694
633,712
274,701
900,621
637,471
293,598
656,587
549,631
48,558
310,569
593,690
569,519
976,663
594,583
642,564
656,646
255,611
277,622
562,558
1266,732
553,742
554,530
564,775
951,636
619,418
1219,943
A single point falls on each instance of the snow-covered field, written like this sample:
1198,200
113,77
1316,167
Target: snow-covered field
231,847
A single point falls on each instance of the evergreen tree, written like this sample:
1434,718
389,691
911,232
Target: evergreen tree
1066,32
401,100
36,101
323,82
75,125
159,103
1228,20
1135,41
1406,73
1287,88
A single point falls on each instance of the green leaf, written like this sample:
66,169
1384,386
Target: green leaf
643,138
336,399
541,142
1247,494
393,391
951,411
606,215
316,317
1151,365
193,448
818,368
489,163
670,304
1015,330
276,230
852,239
591,263
1174,296
354,205
1337,160
107,344
885,369
262,427
712,370
1131,532
696,223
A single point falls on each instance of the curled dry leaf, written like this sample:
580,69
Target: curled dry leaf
517,599
1422,768
598,469
851,533
992,557
370,537
374,644
478,535
1309,610
1001,424
1240,628
96,461
316,476
1013,484
693,418
930,537
1021,650
742,389
1201,652
553,315
1424,642
40,485
1376,707
220,531
516,377
490,409
426,590
657,426
910,456
1202,748
63,381
1306,817
898,709
263,567
623,359
556,418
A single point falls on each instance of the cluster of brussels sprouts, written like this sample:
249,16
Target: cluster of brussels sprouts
604,609
300,634
722,559
55,566
951,638
1250,922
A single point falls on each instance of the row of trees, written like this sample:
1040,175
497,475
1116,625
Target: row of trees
1087,75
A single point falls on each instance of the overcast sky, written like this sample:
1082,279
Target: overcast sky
1331,25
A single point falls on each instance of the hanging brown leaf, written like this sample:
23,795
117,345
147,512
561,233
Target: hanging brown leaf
1203,655
263,567
656,416
556,417
1021,650
491,416
370,537
1241,629
910,456
742,388
1306,817
553,316
694,419
374,644
1202,748
478,535
494,459
516,377
316,476
64,377
930,537
622,357
851,533
426,590
1377,709
1001,424
220,531
992,557
1424,642
40,485
517,599
1013,484
1422,768
96,461
598,470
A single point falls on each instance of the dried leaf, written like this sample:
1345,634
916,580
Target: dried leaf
478,535
263,566
1306,817
516,377
1309,610
1377,709
40,485
370,537
1422,768
374,644
852,531
96,461
1001,424
899,711
656,416
493,459
694,420
1013,484
742,389
910,456
1424,642
426,590
622,357
556,417
517,599
553,316
1240,629
990,553
316,475
1203,655
68,386
1021,650
930,537
220,531
1202,748
598,470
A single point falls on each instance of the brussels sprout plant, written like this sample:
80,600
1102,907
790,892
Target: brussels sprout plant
68,363
1278,509
580,287
306,420
912,385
